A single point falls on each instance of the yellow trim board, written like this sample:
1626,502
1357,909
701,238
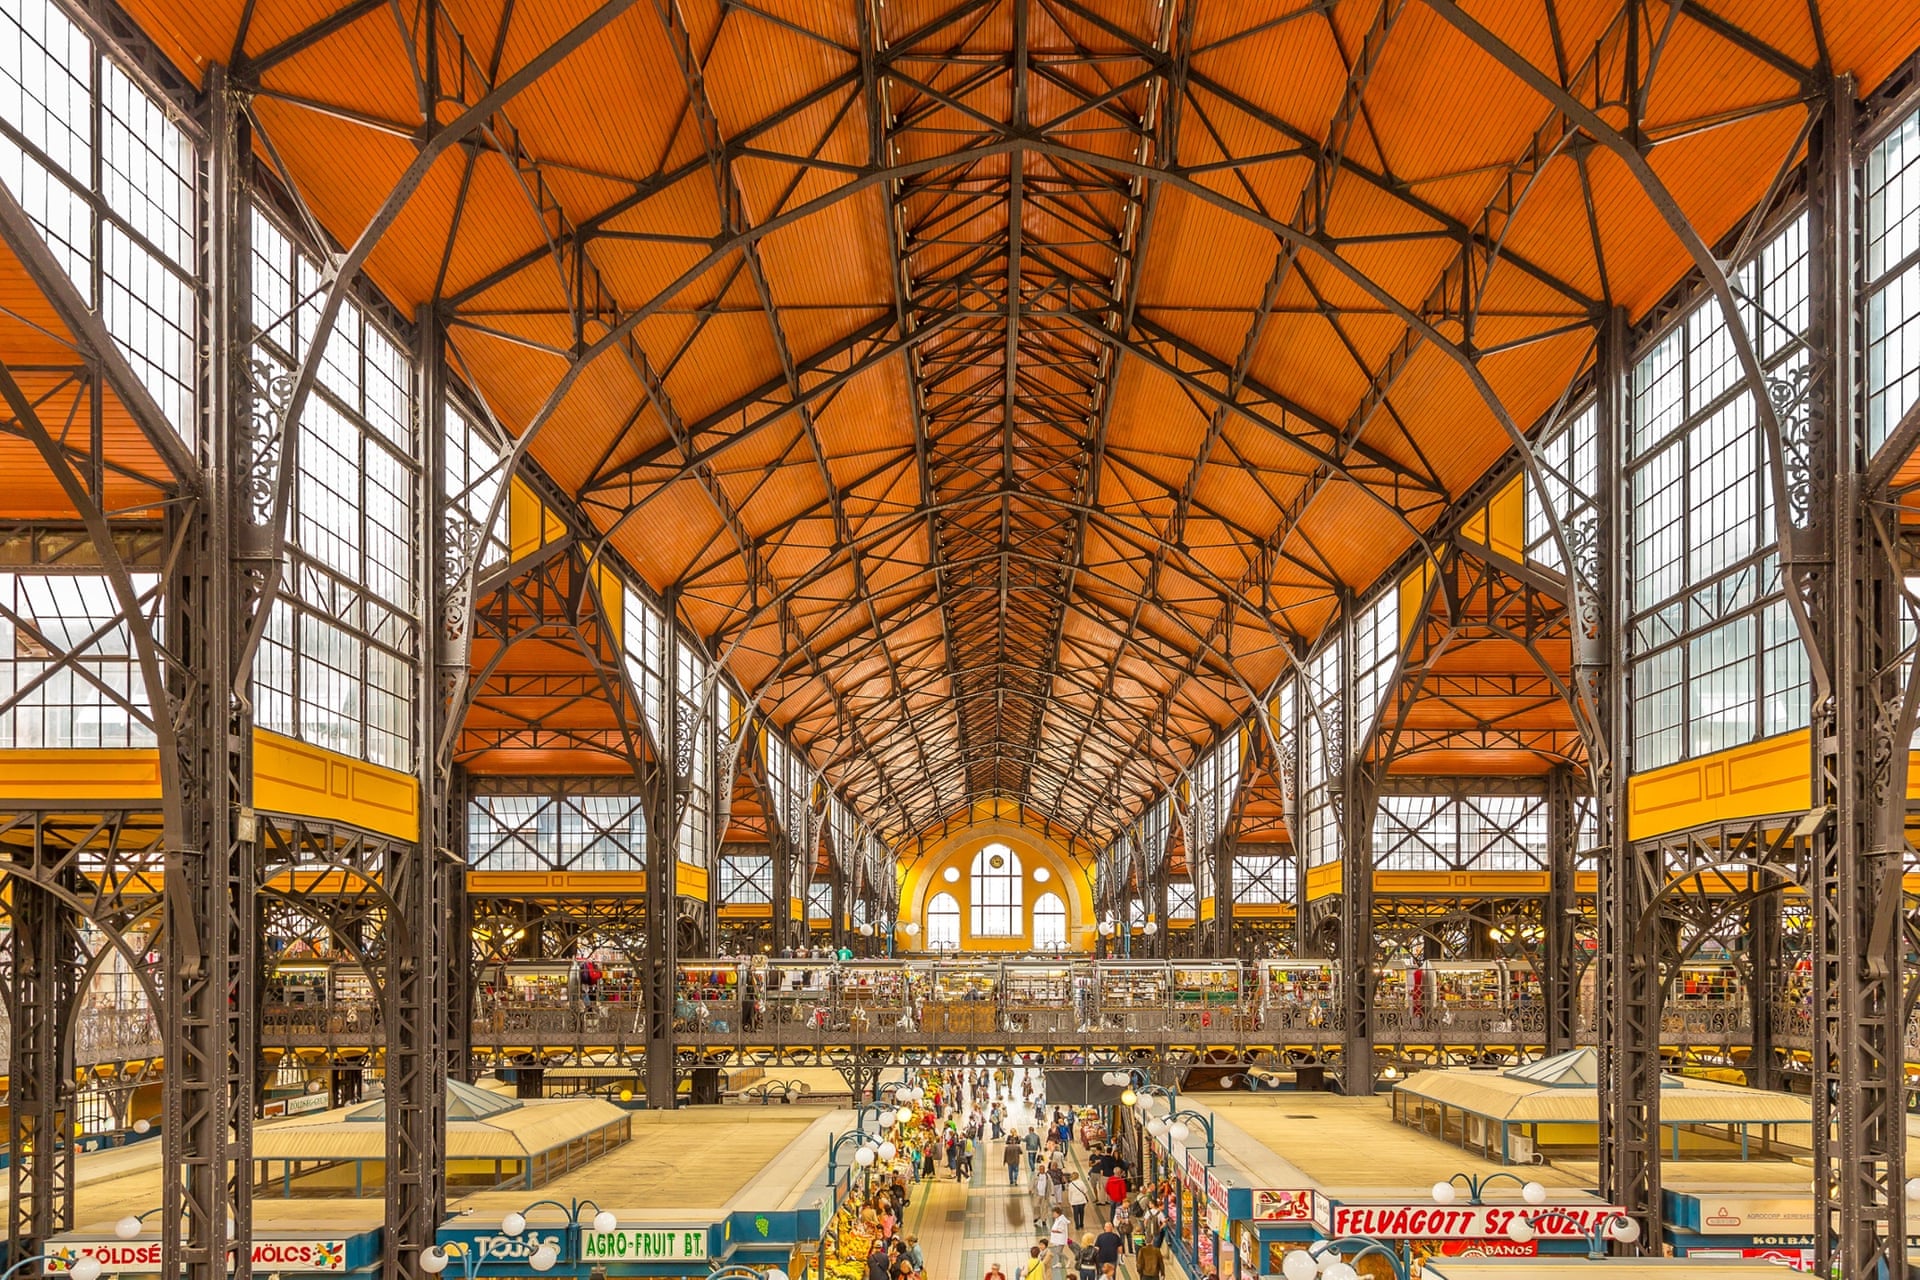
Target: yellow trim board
1323,881
295,778
1769,776
35,776
690,881
1490,883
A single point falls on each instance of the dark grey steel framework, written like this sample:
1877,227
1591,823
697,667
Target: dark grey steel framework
996,553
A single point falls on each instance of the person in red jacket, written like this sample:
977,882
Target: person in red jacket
1116,1192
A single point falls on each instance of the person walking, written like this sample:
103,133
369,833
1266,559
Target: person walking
1077,1201
1089,1258
1147,1261
1015,1155
1033,1147
1111,1245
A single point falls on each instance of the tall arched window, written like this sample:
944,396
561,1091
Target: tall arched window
943,923
996,893
1049,923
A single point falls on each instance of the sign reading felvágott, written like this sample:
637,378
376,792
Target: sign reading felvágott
662,1244
1465,1222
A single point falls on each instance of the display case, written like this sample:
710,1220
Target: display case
1209,995
1132,995
1299,995
1042,996
964,999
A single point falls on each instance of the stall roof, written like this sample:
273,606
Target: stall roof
1512,1099
525,1130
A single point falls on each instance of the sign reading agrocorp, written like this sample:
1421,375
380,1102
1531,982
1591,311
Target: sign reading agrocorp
657,1244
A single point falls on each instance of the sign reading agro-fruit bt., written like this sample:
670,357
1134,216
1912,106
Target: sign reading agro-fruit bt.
659,1244
1432,1221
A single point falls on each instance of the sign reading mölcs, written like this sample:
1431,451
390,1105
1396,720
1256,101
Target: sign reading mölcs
662,1244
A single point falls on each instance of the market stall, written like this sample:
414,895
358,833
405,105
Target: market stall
797,993
1209,995
872,995
709,997
318,997
1044,996
1299,995
1133,995
964,999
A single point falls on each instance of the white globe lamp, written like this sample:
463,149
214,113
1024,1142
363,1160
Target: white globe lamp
863,1157
85,1269
513,1224
1625,1230
1298,1264
433,1261
1129,1098
1150,928
1445,1193
1520,1231
143,1125
1534,1193
1340,1270
127,1228
887,1150
543,1258
605,1221
1179,1131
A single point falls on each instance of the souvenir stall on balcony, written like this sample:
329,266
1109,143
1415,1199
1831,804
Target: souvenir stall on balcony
1299,995
873,995
1209,995
1133,995
963,1000
1045,997
709,997
797,993
319,998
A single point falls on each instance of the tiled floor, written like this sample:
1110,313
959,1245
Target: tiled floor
963,1229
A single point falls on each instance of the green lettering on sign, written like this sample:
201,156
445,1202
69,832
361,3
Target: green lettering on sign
662,1244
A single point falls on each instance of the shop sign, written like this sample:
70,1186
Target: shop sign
1271,1205
1480,1249
329,1255
1797,1259
1196,1173
300,1104
496,1246
1428,1220
1217,1197
1750,1215
662,1244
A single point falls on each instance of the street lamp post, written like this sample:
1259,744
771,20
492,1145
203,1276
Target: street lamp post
1312,1261
1449,1191
1175,1128
80,1268
1616,1226
434,1260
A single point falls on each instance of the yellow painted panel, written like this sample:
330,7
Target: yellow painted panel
1413,596
534,884
613,600
1323,881
312,782
1507,519
1769,776
35,775
1492,883
1586,882
1206,908
1262,910
690,881
747,911
530,525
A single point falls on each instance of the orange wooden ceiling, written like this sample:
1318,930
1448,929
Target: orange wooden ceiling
1012,470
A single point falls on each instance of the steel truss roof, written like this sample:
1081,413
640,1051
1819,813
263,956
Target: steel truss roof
1005,389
